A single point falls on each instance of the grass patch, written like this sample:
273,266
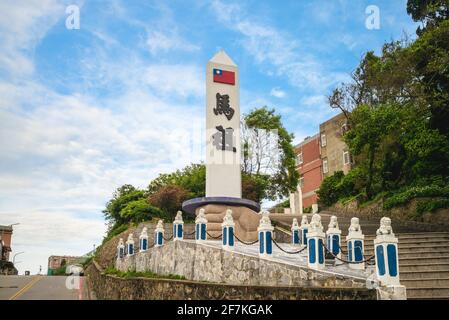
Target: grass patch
146,274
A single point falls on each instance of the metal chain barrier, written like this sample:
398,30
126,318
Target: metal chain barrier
288,252
212,237
247,243
190,234
344,260
168,239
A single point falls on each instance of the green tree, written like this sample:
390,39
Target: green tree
258,152
121,197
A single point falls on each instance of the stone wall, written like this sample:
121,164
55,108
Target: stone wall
201,262
111,287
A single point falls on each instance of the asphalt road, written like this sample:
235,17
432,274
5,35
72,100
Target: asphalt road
41,288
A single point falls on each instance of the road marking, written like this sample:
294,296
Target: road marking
25,288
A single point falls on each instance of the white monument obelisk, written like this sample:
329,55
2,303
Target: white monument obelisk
223,176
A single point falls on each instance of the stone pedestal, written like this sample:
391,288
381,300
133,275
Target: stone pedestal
246,220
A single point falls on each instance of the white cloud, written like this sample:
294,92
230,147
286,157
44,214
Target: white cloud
162,42
275,50
278,93
23,24
180,79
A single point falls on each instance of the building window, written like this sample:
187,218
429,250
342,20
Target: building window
347,158
299,158
325,166
301,182
323,140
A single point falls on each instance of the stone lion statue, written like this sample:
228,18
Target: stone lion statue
316,222
385,226
355,225
333,223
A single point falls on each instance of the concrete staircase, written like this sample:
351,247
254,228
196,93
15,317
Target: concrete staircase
423,256
423,263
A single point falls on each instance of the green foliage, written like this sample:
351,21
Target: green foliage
431,205
338,186
192,179
307,209
430,12
121,198
398,116
146,274
255,186
404,196
140,210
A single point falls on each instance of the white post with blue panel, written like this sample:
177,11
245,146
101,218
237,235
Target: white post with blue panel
201,226
159,234
178,227
143,240
130,245
315,243
303,230
120,249
265,231
296,239
355,242
386,252
228,231
333,235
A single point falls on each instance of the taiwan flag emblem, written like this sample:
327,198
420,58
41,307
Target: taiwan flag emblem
223,76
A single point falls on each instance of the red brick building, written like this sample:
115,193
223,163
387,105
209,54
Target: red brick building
5,242
308,162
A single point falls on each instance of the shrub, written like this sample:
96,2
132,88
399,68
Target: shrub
169,199
405,195
431,205
140,210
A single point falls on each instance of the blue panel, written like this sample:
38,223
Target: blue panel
130,249
225,236
179,230
160,239
312,250
329,242
296,237
269,244
174,231
261,248
335,244
231,236
203,231
350,250
197,231
392,262
380,260
358,250
121,252
144,244
320,251
305,235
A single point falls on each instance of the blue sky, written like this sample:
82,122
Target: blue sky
117,101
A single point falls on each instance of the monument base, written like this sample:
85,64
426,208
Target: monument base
244,213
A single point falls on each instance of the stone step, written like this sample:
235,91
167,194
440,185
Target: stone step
427,274
428,292
404,254
417,267
425,282
420,259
